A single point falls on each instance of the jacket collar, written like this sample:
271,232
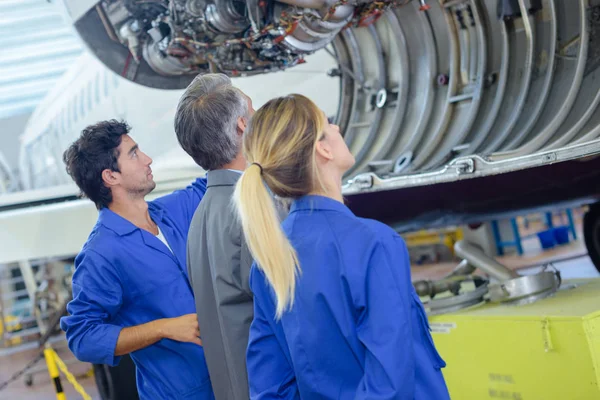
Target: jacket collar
121,226
222,177
313,202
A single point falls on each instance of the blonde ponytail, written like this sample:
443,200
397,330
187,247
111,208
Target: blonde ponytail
266,240
279,142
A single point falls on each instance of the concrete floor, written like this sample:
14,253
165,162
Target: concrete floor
570,259
43,388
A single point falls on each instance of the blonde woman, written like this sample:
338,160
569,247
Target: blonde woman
335,313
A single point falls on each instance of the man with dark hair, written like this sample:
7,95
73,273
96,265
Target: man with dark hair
131,292
210,119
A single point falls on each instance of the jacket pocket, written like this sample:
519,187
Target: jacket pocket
202,392
436,359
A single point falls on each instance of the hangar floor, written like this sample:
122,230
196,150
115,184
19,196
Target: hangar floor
570,259
42,387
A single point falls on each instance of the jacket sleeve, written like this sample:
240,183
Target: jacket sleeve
270,373
246,261
384,325
185,200
235,309
97,297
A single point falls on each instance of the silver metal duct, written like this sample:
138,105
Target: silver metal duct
477,258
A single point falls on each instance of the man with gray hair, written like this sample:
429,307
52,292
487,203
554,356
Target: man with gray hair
210,120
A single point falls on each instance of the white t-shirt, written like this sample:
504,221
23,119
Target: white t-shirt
162,239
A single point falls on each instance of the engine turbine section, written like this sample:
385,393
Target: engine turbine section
239,38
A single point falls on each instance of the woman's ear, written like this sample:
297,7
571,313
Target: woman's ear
324,150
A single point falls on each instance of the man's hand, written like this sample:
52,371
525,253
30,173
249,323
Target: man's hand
182,329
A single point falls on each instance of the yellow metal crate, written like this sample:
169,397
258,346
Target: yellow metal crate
447,237
12,324
546,350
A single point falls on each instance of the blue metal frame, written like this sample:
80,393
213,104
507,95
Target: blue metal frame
500,245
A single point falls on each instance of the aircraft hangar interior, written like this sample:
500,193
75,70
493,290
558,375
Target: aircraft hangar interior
474,129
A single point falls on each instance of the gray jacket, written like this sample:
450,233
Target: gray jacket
219,263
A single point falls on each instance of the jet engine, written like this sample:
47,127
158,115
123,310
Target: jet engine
422,82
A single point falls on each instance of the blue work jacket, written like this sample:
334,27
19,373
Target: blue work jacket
357,329
125,276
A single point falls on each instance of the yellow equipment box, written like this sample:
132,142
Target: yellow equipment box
546,350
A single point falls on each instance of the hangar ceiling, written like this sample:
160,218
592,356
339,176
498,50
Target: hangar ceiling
36,47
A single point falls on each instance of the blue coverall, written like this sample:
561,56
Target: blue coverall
125,276
357,329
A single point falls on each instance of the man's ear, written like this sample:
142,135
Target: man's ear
242,123
110,178
324,150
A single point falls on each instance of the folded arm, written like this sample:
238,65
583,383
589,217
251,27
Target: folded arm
97,298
